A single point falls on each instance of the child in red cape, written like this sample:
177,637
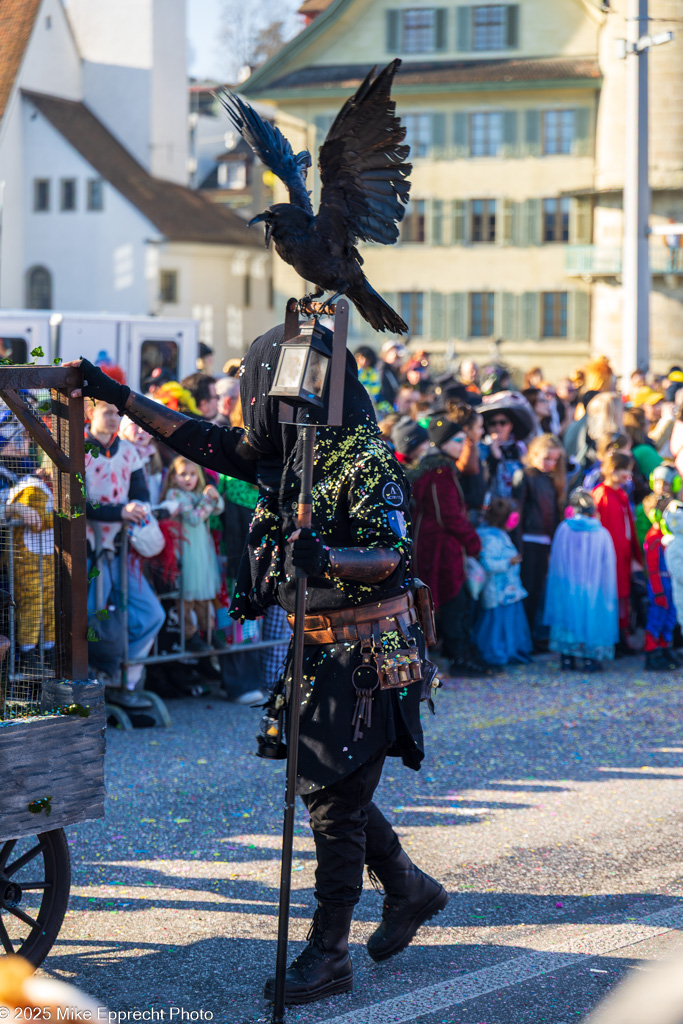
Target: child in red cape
614,508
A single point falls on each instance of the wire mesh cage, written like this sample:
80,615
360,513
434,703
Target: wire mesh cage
42,537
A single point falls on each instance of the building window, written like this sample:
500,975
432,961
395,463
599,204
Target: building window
232,174
419,30
486,133
38,288
558,131
418,133
481,314
489,27
483,227
556,220
554,314
168,286
41,195
414,222
95,194
411,307
67,201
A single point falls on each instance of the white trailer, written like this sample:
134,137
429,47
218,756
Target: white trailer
138,344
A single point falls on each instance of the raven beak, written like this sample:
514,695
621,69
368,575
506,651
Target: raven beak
265,219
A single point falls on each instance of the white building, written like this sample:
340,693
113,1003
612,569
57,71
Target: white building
95,210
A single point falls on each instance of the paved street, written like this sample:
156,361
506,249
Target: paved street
550,806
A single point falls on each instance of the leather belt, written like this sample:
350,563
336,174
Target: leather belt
349,625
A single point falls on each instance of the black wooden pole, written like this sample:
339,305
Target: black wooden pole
307,436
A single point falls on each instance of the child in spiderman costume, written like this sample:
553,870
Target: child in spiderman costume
661,616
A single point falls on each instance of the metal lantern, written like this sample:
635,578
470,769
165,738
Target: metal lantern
303,366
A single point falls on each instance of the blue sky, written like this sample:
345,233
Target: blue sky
203,26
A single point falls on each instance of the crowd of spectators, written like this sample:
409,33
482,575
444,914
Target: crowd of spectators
558,500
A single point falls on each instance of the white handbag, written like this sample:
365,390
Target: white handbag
146,537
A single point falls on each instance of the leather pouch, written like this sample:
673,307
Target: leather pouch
425,611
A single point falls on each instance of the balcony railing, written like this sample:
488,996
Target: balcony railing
605,261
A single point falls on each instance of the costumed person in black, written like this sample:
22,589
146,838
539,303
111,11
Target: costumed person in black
360,609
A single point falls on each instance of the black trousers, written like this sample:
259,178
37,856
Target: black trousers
534,570
454,624
349,831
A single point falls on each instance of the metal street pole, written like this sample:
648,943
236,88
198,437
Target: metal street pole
636,280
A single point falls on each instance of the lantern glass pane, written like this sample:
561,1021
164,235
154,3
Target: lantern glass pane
291,368
316,372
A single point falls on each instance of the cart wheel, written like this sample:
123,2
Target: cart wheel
35,877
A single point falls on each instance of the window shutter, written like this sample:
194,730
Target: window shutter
459,236
438,136
580,222
508,319
512,27
437,223
457,315
441,30
578,315
506,222
393,32
436,324
582,140
530,315
509,133
460,135
463,34
532,132
530,233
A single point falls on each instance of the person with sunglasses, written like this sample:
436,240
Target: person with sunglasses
505,453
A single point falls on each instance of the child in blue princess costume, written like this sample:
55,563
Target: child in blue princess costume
581,606
501,631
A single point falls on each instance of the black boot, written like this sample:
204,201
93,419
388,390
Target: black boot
656,662
323,968
411,898
567,662
592,665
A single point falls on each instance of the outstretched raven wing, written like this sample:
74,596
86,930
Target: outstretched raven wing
271,147
362,166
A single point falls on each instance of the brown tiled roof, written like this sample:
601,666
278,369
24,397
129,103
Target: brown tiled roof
180,214
450,72
17,18
315,6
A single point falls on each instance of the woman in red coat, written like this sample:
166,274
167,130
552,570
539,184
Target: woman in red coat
443,536
614,508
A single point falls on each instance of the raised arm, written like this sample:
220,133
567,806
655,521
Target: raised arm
204,443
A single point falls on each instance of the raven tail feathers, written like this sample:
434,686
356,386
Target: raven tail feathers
374,309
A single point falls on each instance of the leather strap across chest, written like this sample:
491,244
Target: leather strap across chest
349,625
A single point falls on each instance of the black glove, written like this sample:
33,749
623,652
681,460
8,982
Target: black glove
97,385
310,554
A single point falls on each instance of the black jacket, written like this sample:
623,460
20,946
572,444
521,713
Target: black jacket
536,497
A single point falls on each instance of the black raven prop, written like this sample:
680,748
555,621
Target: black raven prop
364,191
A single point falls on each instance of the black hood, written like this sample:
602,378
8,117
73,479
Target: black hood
276,443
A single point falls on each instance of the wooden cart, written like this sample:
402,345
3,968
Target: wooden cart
52,718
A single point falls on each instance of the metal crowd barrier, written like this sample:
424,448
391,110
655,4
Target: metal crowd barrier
155,657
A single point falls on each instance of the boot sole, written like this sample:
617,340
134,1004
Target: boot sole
426,914
332,988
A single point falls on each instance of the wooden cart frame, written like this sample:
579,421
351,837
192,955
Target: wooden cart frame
52,763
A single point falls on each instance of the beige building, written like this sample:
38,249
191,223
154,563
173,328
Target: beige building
515,116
